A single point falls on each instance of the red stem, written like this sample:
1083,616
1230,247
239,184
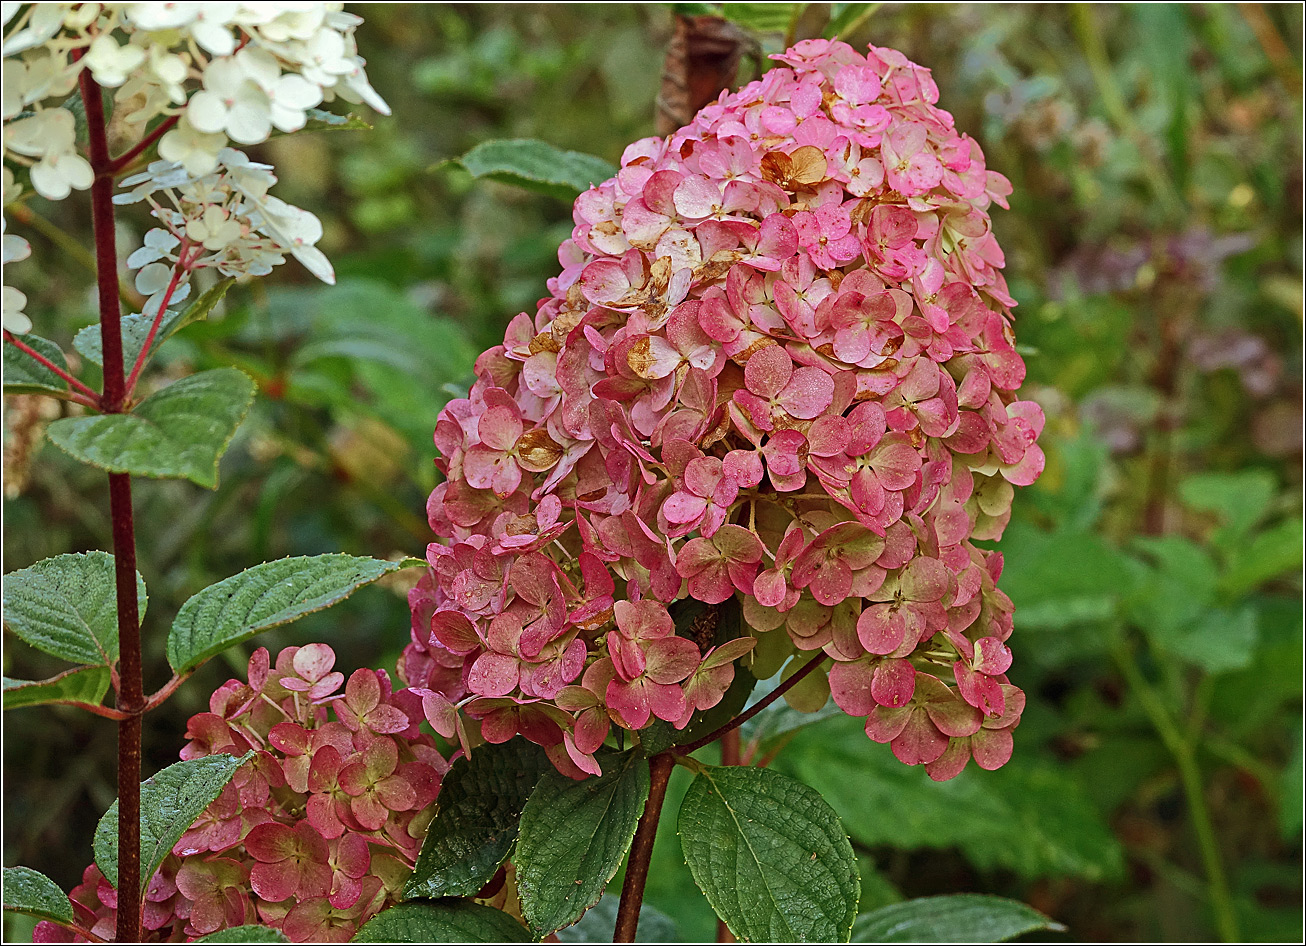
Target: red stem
144,353
118,163
131,695
166,690
641,849
47,363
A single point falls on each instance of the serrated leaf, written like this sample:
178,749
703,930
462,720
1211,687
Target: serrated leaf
136,328
25,375
762,17
573,838
237,608
31,892
480,804
599,924
1029,816
179,433
245,934
536,166
67,606
770,854
451,921
171,801
80,685
960,918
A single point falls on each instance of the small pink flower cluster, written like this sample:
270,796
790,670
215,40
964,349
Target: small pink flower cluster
778,364
317,832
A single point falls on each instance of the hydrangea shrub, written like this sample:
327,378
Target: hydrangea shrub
777,366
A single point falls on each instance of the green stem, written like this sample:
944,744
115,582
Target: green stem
1190,776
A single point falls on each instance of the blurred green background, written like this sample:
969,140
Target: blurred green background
1155,247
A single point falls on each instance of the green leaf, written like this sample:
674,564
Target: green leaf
481,800
25,375
536,166
763,17
1030,816
245,934
573,837
770,854
68,606
961,918
178,433
170,803
1220,641
846,18
1274,552
80,685
31,892
237,608
1239,499
451,921
599,925
136,328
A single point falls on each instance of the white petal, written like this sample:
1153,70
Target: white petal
206,113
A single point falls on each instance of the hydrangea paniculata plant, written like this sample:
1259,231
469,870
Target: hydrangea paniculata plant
317,833
777,366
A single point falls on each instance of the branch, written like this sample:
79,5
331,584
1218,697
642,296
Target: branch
131,696
753,710
641,849
144,353
166,690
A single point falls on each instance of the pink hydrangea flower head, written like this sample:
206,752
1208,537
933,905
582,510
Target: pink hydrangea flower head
778,366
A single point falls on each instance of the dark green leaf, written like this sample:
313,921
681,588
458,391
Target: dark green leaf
136,328
31,892
961,918
171,801
237,608
1029,816
573,837
536,166
25,375
81,685
245,934
846,18
67,606
771,855
178,433
452,921
599,925
763,17
480,804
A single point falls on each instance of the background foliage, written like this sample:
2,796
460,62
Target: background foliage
1155,246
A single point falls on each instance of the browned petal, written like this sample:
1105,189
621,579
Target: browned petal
537,451
809,165
544,342
640,358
